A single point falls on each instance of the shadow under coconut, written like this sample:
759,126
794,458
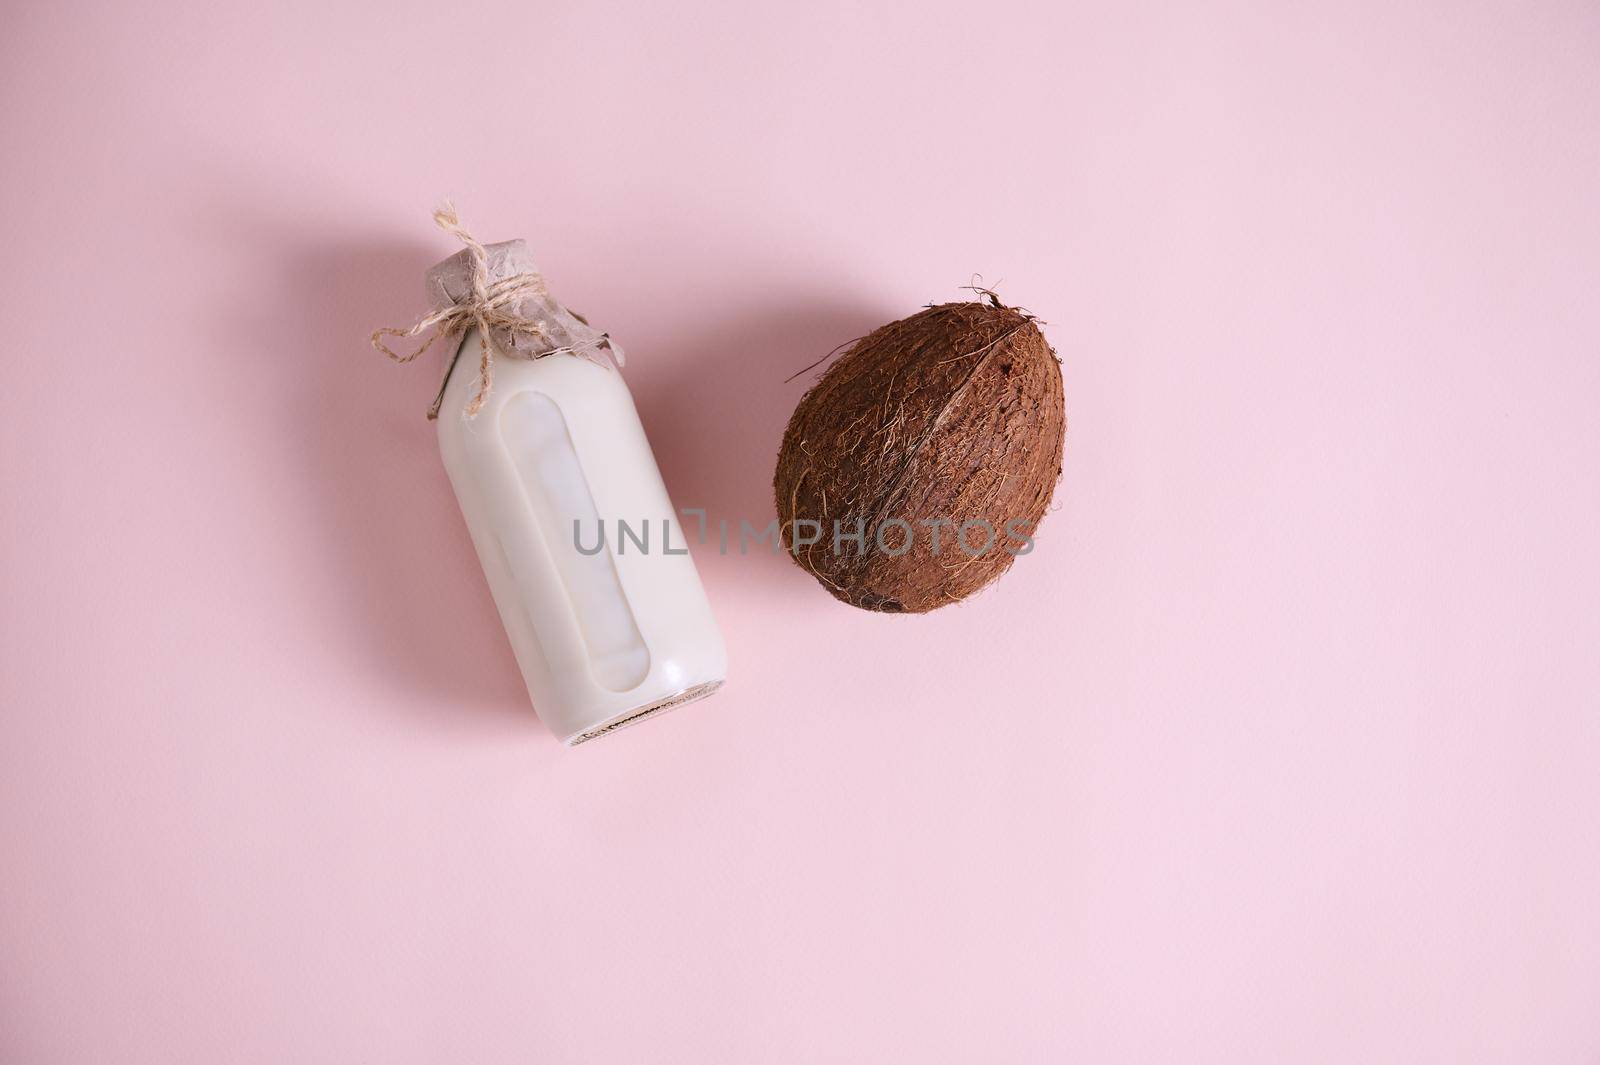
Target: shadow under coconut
716,418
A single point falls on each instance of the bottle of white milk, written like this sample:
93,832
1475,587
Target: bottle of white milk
546,462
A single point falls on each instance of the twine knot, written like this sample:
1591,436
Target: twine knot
490,306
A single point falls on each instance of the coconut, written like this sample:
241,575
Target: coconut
917,468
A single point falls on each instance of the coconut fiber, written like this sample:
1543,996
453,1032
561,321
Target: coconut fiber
921,438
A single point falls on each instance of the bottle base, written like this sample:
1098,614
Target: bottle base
660,706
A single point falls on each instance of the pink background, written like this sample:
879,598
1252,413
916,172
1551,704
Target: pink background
1284,745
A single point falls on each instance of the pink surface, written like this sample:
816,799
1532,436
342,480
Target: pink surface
1282,747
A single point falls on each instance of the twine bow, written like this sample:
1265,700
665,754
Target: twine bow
488,306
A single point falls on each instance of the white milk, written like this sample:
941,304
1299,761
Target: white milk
603,639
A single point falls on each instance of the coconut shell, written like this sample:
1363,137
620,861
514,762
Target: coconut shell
952,415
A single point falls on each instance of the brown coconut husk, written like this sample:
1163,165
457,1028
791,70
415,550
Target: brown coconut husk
953,413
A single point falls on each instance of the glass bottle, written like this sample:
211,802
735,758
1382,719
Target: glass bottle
585,557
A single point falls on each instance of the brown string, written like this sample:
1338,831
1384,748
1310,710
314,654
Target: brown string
491,306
